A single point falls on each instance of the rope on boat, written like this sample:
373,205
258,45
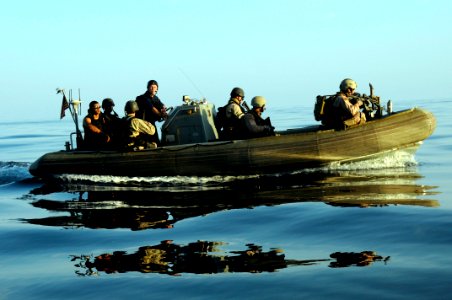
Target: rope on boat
194,145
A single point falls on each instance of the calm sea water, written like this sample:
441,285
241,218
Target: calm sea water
284,237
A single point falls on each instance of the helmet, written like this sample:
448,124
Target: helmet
347,83
107,102
237,92
131,106
258,101
151,82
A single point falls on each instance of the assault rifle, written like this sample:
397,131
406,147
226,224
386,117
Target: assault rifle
372,108
245,105
267,121
371,104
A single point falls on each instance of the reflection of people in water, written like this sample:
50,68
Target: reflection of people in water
346,259
172,259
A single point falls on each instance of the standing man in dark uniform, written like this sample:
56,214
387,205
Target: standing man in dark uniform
151,109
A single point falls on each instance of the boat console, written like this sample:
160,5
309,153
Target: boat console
190,123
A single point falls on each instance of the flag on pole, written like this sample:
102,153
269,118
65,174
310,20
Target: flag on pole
64,106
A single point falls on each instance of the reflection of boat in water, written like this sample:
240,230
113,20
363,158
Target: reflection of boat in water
145,207
203,257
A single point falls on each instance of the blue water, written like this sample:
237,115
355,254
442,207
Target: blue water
270,237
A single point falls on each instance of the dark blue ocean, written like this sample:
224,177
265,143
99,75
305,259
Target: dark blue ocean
375,230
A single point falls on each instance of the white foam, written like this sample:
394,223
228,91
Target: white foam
383,163
397,159
13,171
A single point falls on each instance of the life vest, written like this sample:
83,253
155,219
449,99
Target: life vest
332,117
131,141
260,123
228,127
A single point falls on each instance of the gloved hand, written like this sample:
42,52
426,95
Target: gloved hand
269,129
163,113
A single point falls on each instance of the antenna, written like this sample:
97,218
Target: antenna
191,81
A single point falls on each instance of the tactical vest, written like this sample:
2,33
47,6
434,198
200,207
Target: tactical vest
246,134
327,114
141,140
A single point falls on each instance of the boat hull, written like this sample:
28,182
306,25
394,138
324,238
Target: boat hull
289,151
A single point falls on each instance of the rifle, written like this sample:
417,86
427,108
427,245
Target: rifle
371,104
245,105
267,121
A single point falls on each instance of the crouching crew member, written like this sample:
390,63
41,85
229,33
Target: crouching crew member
254,125
140,134
347,113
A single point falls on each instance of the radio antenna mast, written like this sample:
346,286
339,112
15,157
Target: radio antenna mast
191,81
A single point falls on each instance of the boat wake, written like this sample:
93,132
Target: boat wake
396,159
11,171
386,163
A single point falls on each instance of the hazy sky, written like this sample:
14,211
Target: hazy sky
287,51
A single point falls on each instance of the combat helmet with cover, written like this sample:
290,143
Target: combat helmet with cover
131,107
258,101
107,102
347,83
237,92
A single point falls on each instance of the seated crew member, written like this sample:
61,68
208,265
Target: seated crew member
234,112
140,134
254,125
151,109
94,128
345,113
112,120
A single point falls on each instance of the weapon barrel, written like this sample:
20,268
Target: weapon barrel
245,105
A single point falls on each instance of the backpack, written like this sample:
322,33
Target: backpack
323,106
220,118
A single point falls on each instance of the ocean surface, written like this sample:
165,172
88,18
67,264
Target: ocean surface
380,229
